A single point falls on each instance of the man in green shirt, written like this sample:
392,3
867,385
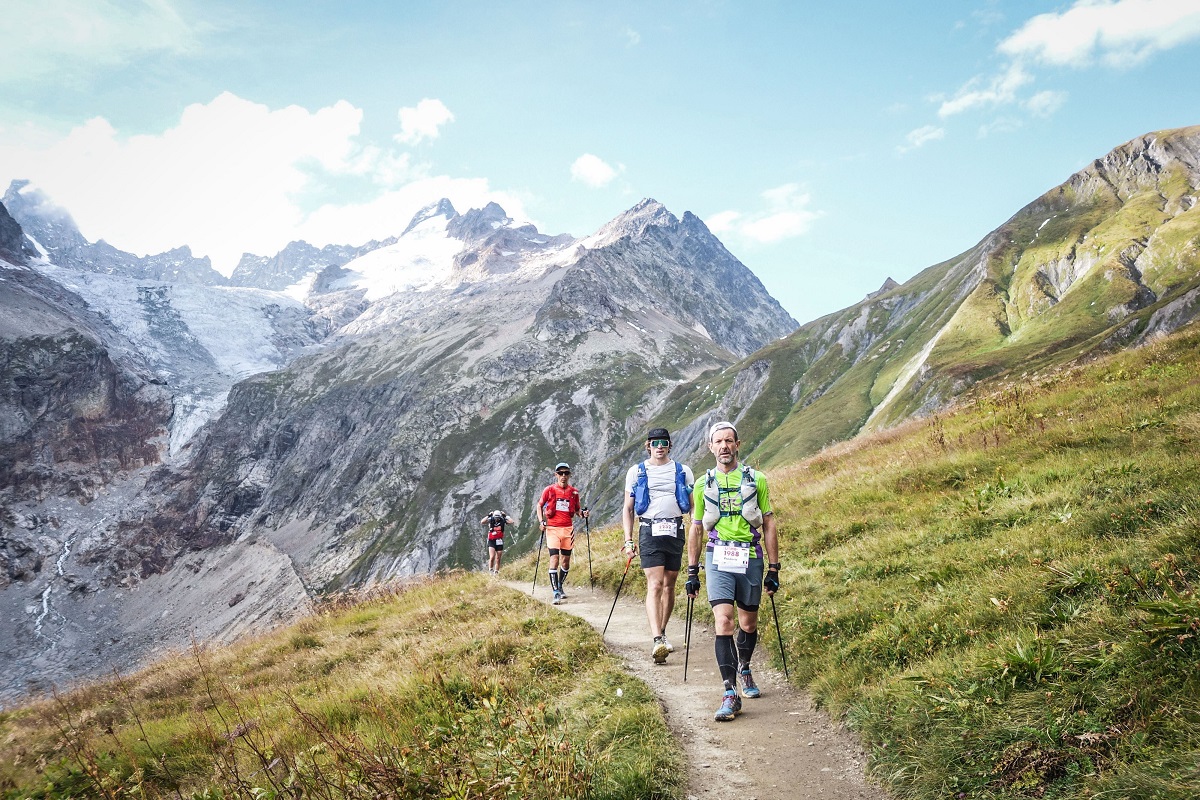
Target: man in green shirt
733,505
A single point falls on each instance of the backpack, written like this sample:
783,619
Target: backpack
641,490
748,490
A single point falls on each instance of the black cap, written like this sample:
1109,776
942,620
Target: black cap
658,433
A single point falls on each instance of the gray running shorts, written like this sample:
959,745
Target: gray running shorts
731,587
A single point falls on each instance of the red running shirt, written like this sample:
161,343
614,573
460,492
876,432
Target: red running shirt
560,505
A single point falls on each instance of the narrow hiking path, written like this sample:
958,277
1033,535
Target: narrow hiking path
779,747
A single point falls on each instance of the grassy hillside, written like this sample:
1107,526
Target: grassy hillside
1001,599
456,687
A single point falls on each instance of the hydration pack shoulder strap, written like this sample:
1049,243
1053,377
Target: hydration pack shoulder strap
641,490
683,497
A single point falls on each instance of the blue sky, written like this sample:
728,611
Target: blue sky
829,145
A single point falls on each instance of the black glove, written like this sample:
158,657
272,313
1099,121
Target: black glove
771,582
692,587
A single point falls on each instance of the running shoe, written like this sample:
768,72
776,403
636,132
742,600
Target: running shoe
562,593
558,598
749,687
659,653
667,642
731,706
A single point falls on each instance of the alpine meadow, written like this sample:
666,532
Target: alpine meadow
240,516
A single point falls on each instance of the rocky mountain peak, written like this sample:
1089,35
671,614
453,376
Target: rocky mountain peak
478,223
1142,164
649,213
887,286
442,208
50,224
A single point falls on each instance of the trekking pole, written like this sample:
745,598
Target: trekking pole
782,654
588,530
537,564
687,636
618,594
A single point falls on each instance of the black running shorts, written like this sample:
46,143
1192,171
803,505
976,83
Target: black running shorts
658,546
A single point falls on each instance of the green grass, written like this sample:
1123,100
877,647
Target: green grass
454,687
1001,599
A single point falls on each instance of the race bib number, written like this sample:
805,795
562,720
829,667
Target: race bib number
498,541
664,527
562,505
731,558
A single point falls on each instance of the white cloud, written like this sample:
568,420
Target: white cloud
423,121
1117,33
632,37
723,221
1000,90
77,36
921,137
1043,104
232,176
785,216
1120,33
1002,124
594,171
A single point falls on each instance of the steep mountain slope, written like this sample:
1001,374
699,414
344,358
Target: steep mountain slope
1109,258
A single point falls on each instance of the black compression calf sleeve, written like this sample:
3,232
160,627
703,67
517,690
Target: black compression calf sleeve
727,660
745,646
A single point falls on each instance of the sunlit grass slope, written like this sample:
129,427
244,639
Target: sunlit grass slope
1002,599
455,687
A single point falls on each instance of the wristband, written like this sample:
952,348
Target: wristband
693,569
775,567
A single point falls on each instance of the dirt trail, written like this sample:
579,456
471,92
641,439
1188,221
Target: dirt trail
780,746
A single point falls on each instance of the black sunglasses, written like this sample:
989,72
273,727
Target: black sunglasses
564,472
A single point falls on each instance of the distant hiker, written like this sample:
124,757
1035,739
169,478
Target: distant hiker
732,504
657,497
556,512
495,522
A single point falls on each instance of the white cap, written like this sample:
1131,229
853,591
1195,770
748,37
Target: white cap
721,426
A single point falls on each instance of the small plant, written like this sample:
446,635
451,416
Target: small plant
1173,622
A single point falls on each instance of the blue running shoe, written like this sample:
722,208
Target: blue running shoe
749,687
731,706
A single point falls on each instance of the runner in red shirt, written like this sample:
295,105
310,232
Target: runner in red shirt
556,512
495,522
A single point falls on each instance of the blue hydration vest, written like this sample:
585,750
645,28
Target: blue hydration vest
641,490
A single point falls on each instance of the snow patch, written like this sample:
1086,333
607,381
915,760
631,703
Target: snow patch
421,260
